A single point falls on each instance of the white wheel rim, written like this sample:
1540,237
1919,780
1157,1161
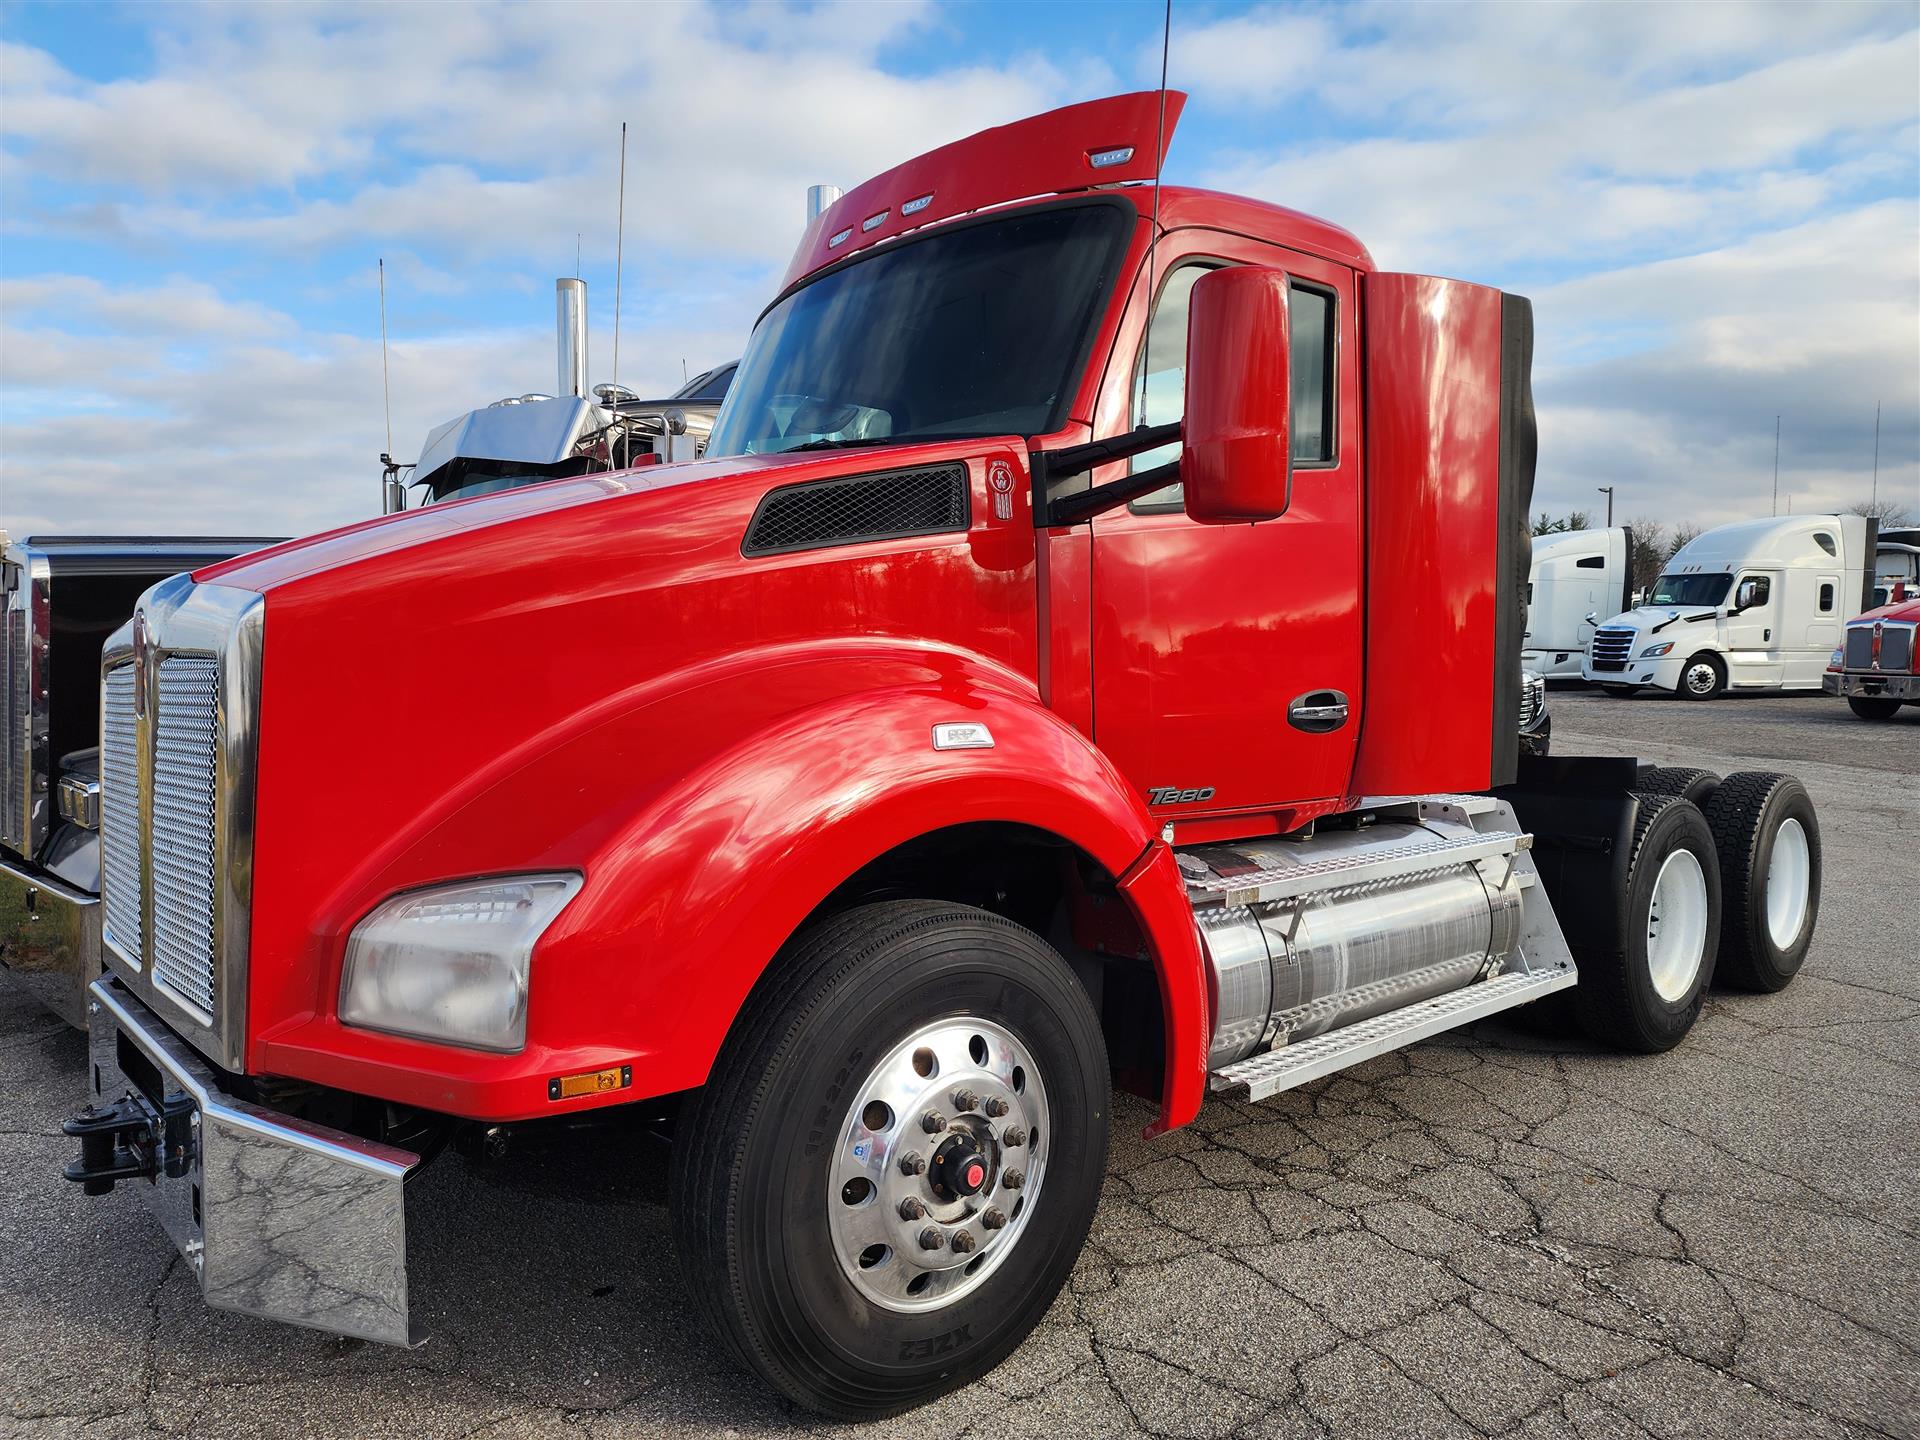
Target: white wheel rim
1677,925
877,1243
1700,678
1789,884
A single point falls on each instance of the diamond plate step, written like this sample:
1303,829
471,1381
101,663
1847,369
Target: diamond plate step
1339,871
1296,1064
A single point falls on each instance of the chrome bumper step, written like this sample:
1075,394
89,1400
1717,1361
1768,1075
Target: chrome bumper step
1281,1069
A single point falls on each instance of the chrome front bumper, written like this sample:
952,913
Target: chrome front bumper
1872,684
49,938
278,1217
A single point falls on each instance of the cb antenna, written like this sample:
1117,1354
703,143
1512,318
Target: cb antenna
619,253
1153,238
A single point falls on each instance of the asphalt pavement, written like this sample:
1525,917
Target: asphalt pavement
1502,1232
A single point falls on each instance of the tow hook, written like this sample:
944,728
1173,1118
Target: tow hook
131,1140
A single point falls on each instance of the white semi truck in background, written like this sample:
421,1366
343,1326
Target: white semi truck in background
1576,576
1756,605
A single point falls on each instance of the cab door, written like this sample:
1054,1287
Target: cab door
1227,659
1753,635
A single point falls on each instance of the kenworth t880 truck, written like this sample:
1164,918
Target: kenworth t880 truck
1000,712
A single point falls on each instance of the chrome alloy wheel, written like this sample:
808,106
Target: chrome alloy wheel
1700,678
1677,925
938,1164
1789,883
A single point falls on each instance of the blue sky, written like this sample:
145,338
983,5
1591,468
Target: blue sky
1715,207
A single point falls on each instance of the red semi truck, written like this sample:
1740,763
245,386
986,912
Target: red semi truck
1001,712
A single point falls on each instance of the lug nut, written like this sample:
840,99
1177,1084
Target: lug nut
1014,1137
994,1218
933,1122
963,1242
964,1100
1014,1179
996,1107
913,1163
911,1208
931,1238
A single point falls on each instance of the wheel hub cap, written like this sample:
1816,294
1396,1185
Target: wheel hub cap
938,1164
1677,925
1789,884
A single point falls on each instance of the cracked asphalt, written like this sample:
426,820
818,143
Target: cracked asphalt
1502,1232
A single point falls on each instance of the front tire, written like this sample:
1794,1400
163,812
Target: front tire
833,1146
1704,677
1643,991
1873,707
1769,843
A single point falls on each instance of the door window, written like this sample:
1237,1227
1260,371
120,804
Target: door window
1160,376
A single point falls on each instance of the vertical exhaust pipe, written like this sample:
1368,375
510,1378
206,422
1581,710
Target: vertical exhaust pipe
819,197
570,323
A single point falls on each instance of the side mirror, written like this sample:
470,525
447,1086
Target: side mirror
1236,454
1747,596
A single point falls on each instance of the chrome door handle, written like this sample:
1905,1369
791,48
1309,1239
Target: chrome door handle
1318,711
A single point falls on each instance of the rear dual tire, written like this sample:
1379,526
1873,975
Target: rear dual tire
1873,707
1641,989
1768,840
792,1179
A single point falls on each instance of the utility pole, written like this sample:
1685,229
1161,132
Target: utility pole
1876,454
1776,464
1607,490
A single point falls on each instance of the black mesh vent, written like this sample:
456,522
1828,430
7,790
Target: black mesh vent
927,501
1859,654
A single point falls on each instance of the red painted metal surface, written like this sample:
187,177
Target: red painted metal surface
1203,634
1433,422
1042,155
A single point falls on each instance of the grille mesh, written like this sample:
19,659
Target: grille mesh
120,812
930,500
1896,648
185,771
1859,652
15,716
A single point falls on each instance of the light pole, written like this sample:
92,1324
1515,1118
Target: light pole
1607,490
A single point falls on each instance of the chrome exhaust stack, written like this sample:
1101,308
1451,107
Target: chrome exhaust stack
570,323
819,197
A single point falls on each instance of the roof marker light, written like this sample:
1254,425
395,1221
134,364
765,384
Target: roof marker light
1101,159
871,221
914,207
840,238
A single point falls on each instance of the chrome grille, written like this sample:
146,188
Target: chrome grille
1612,647
1859,652
120,812
16,719
1533,698
186,749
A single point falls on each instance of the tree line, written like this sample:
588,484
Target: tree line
1655,542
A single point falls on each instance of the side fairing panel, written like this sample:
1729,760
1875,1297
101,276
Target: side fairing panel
1445,507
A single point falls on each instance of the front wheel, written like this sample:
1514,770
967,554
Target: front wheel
1873,707
894,1166
1704,677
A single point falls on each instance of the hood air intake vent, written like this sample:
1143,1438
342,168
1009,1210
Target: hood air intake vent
930,500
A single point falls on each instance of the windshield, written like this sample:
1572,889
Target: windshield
968,332
1690,590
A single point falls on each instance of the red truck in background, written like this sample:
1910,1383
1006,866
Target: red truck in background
999,713
1875,667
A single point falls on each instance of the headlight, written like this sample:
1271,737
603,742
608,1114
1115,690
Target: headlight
1834,660
1656,650
450,963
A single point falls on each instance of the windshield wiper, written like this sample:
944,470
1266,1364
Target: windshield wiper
841,443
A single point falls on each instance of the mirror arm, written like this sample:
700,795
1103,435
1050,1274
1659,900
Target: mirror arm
1050,465
1072,509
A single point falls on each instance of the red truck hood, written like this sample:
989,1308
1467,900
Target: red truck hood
263,570
1903,610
